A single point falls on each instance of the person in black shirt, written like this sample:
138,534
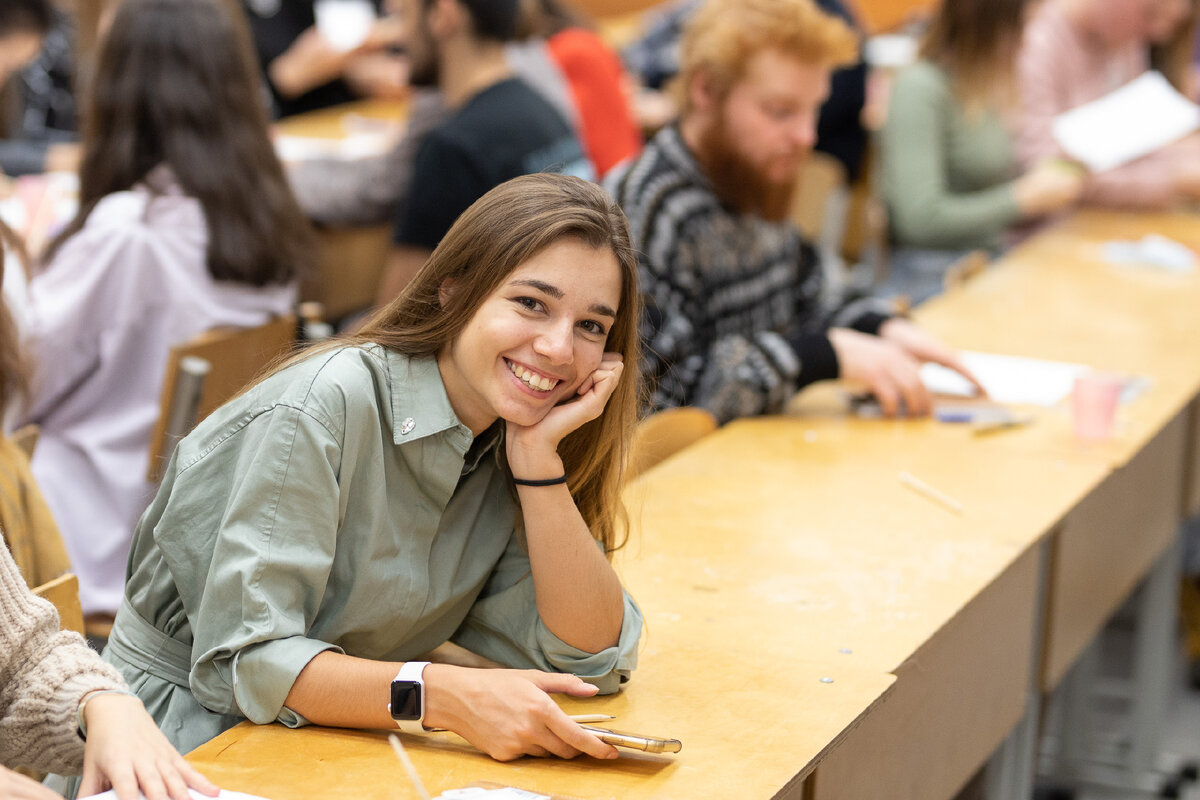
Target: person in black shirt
499,126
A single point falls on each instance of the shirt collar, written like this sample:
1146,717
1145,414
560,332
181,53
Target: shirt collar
420,407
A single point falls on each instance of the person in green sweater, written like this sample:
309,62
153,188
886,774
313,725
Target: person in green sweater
949,174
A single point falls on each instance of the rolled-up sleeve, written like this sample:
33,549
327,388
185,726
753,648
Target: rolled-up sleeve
504,625
253,606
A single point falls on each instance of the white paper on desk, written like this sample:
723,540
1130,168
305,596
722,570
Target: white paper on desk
1008,379
224,795
1139,118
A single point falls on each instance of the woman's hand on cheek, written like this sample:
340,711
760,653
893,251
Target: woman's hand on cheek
588,403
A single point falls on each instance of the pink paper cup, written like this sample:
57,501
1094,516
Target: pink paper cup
1094,404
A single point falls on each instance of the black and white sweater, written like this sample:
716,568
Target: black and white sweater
735,318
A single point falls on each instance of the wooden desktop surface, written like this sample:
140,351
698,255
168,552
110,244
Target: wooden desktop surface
331,123
746,733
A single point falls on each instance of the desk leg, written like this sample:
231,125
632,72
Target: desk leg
1154,651
1134,760
1009,773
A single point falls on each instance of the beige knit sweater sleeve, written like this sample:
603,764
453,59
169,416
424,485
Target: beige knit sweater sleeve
44,673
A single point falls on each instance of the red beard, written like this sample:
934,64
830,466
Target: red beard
739,184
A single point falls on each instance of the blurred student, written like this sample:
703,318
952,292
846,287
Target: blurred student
949,168
27,527
1075,51
736,318
185,224
600,89
499,127
654,59
305,71
450,475
53,688
367,191
37,55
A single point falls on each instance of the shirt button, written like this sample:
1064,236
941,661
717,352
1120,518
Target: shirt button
407,426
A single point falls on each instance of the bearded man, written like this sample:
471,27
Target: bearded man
735,319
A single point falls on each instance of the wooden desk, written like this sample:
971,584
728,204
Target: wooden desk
746,733
330,123
1112,317
895,583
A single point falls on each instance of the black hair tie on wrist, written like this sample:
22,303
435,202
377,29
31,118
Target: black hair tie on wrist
547,482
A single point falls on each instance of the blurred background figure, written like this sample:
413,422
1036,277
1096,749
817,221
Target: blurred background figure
318,53
185,223
949,172
37,105
1075,51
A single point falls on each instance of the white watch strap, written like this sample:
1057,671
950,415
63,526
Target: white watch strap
413,671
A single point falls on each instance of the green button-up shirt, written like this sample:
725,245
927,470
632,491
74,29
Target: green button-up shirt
338,505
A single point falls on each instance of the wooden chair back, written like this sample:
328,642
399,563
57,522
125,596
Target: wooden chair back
350,264
821,178
665,433
207,370
63,594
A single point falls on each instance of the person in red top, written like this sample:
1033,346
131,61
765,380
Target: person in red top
599,85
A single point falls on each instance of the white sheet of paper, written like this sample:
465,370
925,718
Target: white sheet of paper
1139,118
1008,379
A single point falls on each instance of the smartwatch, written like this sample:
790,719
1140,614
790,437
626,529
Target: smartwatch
407,705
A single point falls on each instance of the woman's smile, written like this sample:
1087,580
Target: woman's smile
536,381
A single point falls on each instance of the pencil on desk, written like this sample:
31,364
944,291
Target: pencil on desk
592,717
398,747
922,488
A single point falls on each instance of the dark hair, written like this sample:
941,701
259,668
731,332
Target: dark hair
32,16
176,85
14,369
494,19
506,227
975,41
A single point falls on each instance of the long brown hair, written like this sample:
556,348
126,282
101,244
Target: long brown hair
14,369
1175,58
976,42
502,230
176,85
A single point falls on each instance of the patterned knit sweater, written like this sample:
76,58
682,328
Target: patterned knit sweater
736,319
44,673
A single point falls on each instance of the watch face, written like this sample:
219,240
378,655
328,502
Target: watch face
406,700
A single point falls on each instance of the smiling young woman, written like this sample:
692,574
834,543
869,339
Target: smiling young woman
448,474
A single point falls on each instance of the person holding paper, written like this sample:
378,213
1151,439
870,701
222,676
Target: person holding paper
447,480
737,317
1076,51
949,167
307,66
